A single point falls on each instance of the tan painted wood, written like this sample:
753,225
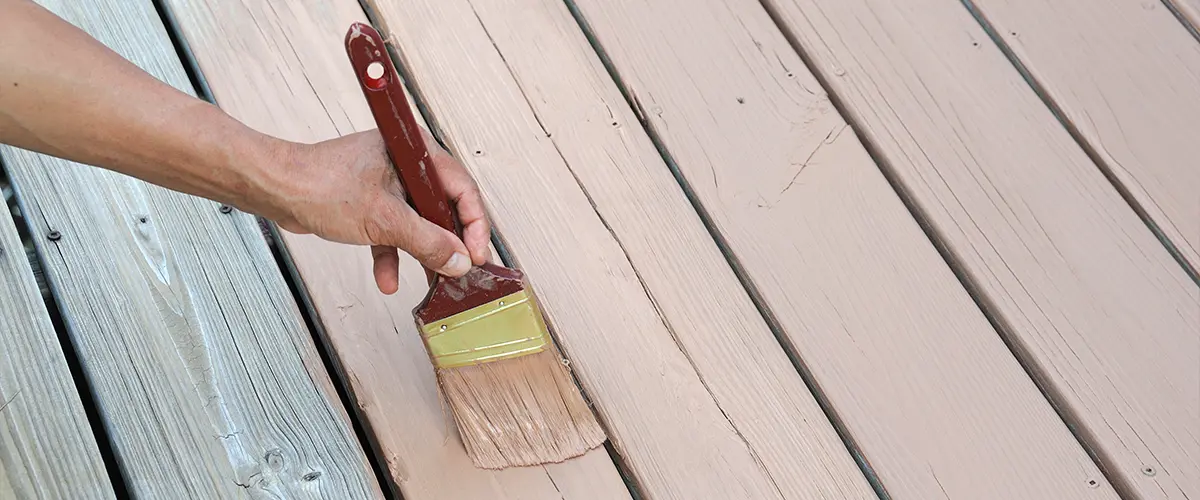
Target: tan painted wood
309,94
1125,75
207,379
1132,91
1088,295
924,386
623,177
860,310
47,449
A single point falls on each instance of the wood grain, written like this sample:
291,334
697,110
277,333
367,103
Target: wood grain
582,117
1124,74
207,379
47,449
310,94
1091,300
930,394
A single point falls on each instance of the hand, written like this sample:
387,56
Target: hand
346,190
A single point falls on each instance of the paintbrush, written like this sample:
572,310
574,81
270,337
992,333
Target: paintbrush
508,387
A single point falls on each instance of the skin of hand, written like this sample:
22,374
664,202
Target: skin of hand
69,96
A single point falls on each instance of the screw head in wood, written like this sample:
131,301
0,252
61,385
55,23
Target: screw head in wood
1149,471
226,209
54,236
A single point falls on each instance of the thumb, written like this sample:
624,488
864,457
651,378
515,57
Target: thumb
398,225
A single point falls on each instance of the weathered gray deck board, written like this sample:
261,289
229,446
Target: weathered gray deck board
47,449
207,379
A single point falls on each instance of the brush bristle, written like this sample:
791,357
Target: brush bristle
520,412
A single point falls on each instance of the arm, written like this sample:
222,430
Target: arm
69,96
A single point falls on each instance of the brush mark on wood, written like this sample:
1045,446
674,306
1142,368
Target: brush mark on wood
1092,301
47,449
199,359
925,388
373,337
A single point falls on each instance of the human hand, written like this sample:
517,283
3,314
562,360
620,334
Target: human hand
346,190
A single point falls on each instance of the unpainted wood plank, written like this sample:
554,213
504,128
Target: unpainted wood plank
47,449
926,389
1124,74
1086,293
206,376
310,94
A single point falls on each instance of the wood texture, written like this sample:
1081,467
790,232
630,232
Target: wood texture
1089,297
310,94
207,379
1125,75
606,158
930,394
47,449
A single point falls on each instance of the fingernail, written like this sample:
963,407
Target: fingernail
457,265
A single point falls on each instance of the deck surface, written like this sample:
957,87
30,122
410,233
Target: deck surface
793,249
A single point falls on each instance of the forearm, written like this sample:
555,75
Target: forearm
64,94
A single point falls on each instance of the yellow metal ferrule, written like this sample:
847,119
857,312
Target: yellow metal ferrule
501,329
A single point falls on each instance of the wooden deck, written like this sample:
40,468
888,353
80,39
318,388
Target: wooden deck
794,249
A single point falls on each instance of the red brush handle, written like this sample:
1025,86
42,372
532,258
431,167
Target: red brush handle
385,95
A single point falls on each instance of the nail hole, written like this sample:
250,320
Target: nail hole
1149,471
143,219
311,476
791,75
1093,483
741,100
226,209
54,236
614,124
478,152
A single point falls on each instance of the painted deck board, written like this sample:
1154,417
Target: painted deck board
659,412
47,448
206,377
1087,294
1125,76
924,386
583,117
371,335
896,304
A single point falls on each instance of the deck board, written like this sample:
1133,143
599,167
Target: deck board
207,379
924,386
1125,76
47,448
372,336
1089,297
580,112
